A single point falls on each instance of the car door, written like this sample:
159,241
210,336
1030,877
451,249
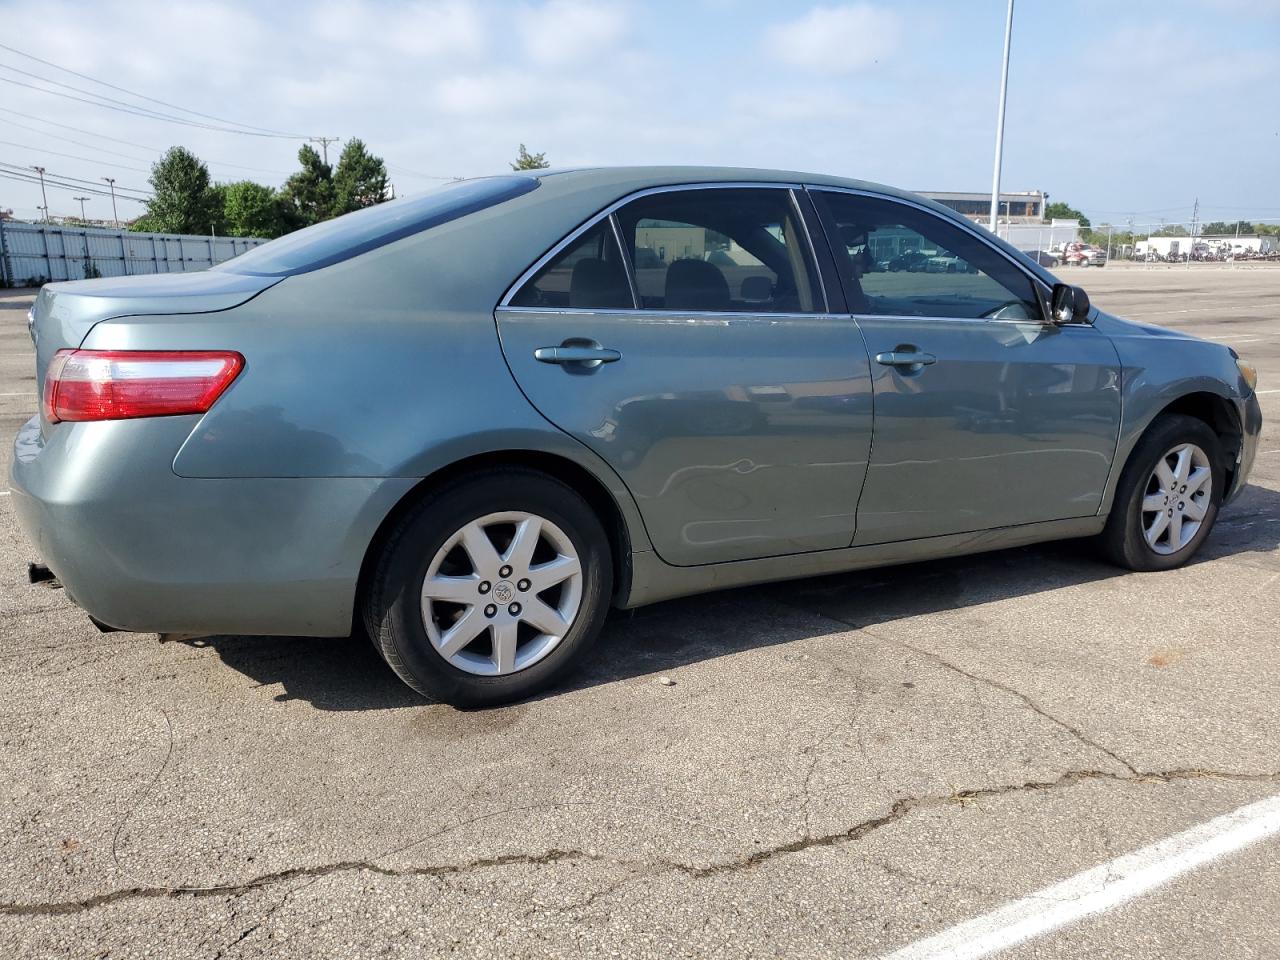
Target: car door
684,337
986,415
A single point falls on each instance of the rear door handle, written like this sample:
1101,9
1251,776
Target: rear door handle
576,354
905,358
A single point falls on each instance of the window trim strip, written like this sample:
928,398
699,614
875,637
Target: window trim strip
627,266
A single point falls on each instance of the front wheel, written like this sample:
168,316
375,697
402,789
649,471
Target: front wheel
1168,496
491,589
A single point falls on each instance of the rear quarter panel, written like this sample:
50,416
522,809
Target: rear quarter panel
386,366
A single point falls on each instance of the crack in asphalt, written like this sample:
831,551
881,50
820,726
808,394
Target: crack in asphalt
292,873
977,678
900,809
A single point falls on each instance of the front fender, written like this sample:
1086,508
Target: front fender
1162,367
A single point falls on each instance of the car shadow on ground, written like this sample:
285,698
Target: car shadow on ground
348,674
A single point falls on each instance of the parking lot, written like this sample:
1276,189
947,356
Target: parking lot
834,767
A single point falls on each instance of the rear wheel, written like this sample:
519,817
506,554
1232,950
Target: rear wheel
1168,496
491,589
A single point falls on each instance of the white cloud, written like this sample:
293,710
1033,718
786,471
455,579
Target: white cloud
441,29
564,32
838,39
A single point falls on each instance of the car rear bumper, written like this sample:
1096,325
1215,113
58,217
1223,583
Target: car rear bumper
140,548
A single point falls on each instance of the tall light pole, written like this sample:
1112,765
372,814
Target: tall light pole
114,217
1004,86
43,195
82,200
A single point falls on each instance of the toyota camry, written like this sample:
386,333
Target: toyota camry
470,422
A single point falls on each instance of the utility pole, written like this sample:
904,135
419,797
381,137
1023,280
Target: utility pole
82,200
111,181
324,145
43,195
1004,86
1195,218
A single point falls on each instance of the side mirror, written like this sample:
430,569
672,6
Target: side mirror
1070,304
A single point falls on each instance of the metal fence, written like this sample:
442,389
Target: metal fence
33,253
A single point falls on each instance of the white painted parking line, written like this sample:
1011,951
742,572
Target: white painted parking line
1260,392
1100,889
4,493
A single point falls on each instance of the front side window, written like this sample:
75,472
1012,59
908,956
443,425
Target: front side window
588,274
719,250
897,260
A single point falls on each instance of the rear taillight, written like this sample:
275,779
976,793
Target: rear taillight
123,384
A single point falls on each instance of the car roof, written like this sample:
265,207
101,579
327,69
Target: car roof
629,178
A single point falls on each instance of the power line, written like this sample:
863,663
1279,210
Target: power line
128,143
396,168
79,143
26,178
147,115
143,96
71,183
71,156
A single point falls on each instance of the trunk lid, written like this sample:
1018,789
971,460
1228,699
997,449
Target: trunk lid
64,313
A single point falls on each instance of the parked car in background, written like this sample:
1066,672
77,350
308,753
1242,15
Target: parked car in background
946,263
468,423
910,260
1083,255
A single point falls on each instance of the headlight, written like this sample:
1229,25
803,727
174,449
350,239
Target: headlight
1249,373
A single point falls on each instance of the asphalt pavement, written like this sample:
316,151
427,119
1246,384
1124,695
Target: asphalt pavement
842,766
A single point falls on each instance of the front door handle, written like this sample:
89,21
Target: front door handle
905,358
592,355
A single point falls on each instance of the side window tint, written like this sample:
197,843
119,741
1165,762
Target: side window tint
719,250
895,260
588,273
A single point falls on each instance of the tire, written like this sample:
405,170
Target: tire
413,630
1124,540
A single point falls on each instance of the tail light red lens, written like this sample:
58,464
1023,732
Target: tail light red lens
124,384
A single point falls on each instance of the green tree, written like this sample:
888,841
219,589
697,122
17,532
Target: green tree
360,179
1219,228
1061,211
182,201
530,161
1172,230
252,210
308,194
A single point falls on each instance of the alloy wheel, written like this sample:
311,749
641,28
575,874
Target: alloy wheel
1176,498
501,593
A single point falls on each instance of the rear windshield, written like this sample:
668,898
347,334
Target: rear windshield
356,233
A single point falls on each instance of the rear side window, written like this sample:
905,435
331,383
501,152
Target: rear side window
356,233
720,250
588,273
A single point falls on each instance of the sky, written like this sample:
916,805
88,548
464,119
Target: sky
1122,108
